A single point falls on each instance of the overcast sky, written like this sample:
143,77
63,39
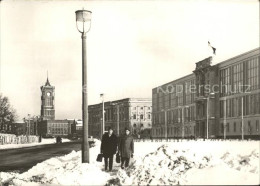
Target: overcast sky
133,46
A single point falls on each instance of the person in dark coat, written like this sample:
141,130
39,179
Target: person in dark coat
126,148
109,147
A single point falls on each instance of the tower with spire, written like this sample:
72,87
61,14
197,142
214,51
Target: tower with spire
47,101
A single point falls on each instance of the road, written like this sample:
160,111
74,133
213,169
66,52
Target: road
22,159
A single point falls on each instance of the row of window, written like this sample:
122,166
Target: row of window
57,125
47,102
122,117
142,108
48,112
173,95
176,131
237,127
175,116
251,106
58,131
240,78
141,116
58,128
141,125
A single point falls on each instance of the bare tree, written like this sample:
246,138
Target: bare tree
7,112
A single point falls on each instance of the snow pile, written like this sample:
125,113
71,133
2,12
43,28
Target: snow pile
44,141
246,163
64,170
154,163
196,163
165,166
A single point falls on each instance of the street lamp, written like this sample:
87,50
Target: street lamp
165,123
29,124
183,133
83,23
103,118
36,124
211,95
117,114
225,116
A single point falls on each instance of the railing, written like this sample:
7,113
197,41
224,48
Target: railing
13,139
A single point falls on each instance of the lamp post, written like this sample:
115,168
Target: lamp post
225,117
117,116
165,123
117,121
103,118
242,117
36,118
211,95
29,127
83,23
183,133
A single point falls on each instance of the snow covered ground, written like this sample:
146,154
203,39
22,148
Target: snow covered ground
44,141
171,163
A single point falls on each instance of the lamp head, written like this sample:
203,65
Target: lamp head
83,20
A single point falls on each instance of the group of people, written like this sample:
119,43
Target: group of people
111,144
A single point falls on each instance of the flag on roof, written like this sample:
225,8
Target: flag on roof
213,48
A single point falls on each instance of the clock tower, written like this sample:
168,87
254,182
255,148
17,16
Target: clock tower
47,101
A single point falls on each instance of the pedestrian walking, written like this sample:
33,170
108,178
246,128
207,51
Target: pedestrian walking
126,148
109,148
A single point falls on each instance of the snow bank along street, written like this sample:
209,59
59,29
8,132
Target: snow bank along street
43,142
187,162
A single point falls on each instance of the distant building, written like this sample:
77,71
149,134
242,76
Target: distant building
14,128
47,101
134,113
77,128
54,128
217,100
48,126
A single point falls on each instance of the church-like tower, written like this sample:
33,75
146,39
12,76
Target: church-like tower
47,101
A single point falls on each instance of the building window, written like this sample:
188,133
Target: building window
149,116
179,94
141,116
253,73
142,108
237,77
257,125
249,126
134,116
227,127
225,82
235,127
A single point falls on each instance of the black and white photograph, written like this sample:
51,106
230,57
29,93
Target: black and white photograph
129,92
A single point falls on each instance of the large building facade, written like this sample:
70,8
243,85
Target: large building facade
133,113
215,101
